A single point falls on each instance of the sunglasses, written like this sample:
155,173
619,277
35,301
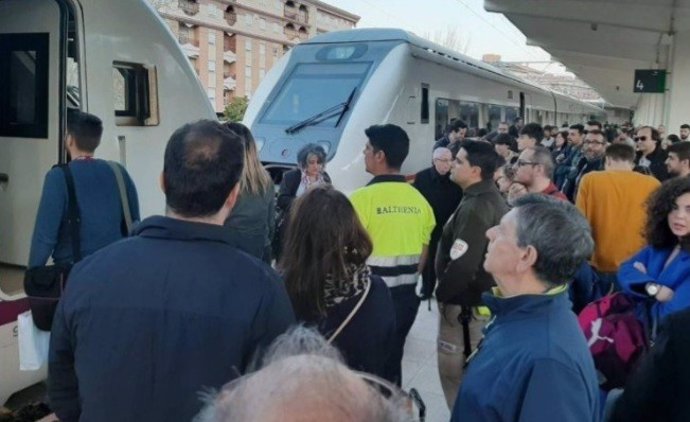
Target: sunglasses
640,138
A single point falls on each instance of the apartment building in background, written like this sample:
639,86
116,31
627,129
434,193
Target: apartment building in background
233,43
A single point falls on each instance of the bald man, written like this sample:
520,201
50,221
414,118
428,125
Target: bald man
304,380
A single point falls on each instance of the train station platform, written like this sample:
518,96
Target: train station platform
419,367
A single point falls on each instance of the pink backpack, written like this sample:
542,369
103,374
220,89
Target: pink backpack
615,336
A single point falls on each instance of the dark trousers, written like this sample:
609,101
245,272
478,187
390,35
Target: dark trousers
429,271
406,303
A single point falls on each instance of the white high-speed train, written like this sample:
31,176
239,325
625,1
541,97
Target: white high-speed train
115,59
330,88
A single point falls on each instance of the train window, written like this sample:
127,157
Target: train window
312,88
135,94
442,119
469,113
425,104
511,114
341,52
24,89
494,117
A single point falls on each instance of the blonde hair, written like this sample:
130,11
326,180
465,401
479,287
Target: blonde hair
255,179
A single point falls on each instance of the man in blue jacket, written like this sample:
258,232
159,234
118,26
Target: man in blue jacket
148,323
533,364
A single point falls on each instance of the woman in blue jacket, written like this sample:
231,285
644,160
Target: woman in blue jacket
329,283
661,270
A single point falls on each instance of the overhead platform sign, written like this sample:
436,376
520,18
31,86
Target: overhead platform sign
650,81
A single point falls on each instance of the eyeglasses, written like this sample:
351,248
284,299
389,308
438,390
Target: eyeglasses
521,163
640,138
595,143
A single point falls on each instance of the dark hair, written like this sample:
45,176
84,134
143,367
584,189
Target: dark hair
517,119
547,127
578,127
324,238
673,138
597,132
392,140
564,134
620,152
595,123
533,130
482,132
482,155
543,222
685,126
454,148
655,133
85,128
203,163
681,149
455,125
504,139
310,149
659,206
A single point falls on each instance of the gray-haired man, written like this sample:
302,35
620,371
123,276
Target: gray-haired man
533,363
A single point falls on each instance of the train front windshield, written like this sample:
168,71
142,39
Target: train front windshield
313,88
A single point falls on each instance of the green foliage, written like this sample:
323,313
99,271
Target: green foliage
234,112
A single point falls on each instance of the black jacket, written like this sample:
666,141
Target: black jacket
441,193
251,224
658,163
461,275
148,322
659,390
366,341
289,186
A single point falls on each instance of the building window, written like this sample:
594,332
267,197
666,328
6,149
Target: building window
212,65
248,18
212,79
211,37
211,94
262,23
262,54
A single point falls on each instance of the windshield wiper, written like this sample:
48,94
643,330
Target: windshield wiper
337,110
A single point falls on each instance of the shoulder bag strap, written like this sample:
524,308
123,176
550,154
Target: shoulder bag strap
124,199
352,313
73,215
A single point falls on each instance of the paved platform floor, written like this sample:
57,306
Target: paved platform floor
419,363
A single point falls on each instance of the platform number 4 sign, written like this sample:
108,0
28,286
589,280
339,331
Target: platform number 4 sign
650,81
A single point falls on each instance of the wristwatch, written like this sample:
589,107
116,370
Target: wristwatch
652,288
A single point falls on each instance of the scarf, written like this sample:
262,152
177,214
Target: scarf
353,284
305,183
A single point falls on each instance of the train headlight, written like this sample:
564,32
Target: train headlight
259,143
325,145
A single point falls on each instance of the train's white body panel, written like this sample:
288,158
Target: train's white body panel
401,67
96,51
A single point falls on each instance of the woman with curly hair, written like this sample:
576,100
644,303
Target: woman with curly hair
661,270
330,285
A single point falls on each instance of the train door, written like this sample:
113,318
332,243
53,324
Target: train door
32,34
522,107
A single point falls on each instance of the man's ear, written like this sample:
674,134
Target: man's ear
161,182
528,258
232,198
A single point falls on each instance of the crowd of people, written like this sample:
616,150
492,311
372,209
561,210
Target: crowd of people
296,306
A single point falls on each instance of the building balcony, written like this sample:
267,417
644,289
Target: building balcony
229,57
188,7
186,39
231,18
229,83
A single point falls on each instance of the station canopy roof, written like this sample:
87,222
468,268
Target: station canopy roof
601,41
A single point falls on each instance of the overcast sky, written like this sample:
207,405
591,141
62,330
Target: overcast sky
483,31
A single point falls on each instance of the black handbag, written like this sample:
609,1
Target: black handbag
44,285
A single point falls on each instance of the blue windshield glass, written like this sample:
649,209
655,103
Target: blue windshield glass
313,88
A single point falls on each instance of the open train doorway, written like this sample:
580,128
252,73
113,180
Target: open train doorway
38,60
